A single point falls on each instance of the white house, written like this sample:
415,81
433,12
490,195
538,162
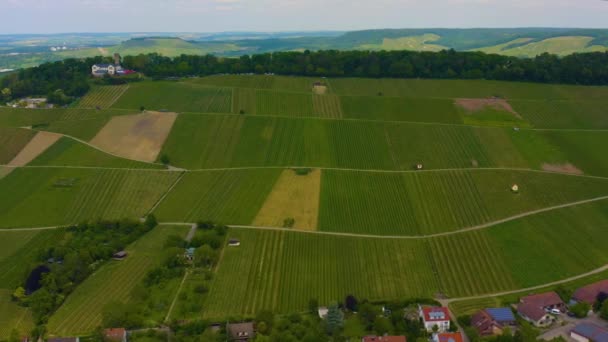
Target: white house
435,316
103,69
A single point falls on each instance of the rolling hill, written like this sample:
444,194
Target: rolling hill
388,189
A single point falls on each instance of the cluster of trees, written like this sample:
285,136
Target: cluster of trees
70,260
585,68
208,241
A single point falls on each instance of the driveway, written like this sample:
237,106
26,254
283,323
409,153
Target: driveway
569,324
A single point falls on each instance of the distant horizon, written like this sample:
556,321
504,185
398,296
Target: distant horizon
305,31
115,16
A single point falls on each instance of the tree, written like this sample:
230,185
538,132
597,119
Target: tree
205,256
6,94
580,310
335,319
164,158
19,294
151,221
604,310
313,306
367,313
142,108
350,302
382,325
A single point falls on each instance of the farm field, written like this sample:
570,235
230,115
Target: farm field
82,311
582,149
283,83
564,114
233,196
21,117
400,109
387,269
433,202
102,96
69,152
13,317
83,123
36,146
62,196
177,97
12,141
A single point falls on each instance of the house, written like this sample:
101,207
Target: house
241,331
435,316
104,69
119,255
492,321
383,339
189,254
115,335
591,293
322,311
586,332
534,314
63,339
448,337
548,301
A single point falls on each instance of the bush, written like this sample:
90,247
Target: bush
580,310
164,158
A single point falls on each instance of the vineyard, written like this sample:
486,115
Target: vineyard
64,195
176,97
434,202
231,197
102,96
113,282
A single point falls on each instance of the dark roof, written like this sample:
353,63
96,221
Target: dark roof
590,293
531,310
241,331
384,339
592,332
543,299
501,314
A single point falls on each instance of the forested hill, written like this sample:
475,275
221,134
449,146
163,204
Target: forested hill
65,79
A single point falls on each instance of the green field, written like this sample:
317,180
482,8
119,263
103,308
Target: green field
433,202
176,97
21,117
267,270
230,197
113,282
12,140
69,152
60,196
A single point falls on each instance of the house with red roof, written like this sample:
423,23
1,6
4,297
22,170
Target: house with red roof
115,335
384,339
448,337
435,316
591,293
536,308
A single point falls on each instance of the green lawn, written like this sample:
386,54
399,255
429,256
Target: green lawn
69,152
230,197
82,311
432,202
176,97
60,196
12,140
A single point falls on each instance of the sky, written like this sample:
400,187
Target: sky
62,16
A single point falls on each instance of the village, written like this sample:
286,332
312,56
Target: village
553,319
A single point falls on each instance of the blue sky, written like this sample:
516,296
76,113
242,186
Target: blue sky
52,16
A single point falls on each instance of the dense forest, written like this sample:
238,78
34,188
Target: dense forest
63,80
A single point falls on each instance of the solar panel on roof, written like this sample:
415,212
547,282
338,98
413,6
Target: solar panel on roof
501,314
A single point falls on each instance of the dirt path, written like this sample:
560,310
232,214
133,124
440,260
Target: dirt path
445,302
179,289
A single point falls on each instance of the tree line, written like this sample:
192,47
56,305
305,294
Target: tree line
64,80
584,68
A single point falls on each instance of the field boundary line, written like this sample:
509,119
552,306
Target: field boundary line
445,302
409,237
424,123
179,289
160,200
86,167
